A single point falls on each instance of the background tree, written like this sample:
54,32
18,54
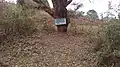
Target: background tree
118,11
101,16
110,9
119,16
77,6
92,14
75,13
80,14
109,13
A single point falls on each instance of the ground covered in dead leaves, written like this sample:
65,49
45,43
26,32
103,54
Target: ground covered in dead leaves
48,50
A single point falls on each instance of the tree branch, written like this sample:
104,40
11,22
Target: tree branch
44,7
68,2
21,2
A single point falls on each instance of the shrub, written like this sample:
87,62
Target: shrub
109,53
16,20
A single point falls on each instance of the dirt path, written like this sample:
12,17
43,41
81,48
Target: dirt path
49,50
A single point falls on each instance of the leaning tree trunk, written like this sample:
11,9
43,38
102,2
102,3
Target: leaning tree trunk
60,11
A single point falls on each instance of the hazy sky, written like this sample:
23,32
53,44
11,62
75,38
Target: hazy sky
99,5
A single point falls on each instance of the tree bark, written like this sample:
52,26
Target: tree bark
44,7
60,11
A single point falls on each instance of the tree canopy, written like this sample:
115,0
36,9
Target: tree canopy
92,14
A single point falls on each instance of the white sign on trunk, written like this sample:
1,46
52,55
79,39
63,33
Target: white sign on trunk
60,21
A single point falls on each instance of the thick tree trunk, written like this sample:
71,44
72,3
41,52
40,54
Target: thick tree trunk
60,11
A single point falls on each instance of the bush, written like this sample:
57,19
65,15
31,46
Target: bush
109,53
16,21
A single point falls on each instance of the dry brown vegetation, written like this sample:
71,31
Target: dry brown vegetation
39,45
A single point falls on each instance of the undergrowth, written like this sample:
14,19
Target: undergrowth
18,21
109,48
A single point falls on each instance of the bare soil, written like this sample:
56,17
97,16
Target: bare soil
48,50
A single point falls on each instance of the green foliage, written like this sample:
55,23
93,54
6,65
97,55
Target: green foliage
109,53
75,14
92,14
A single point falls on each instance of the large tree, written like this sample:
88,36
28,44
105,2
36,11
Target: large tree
59,11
